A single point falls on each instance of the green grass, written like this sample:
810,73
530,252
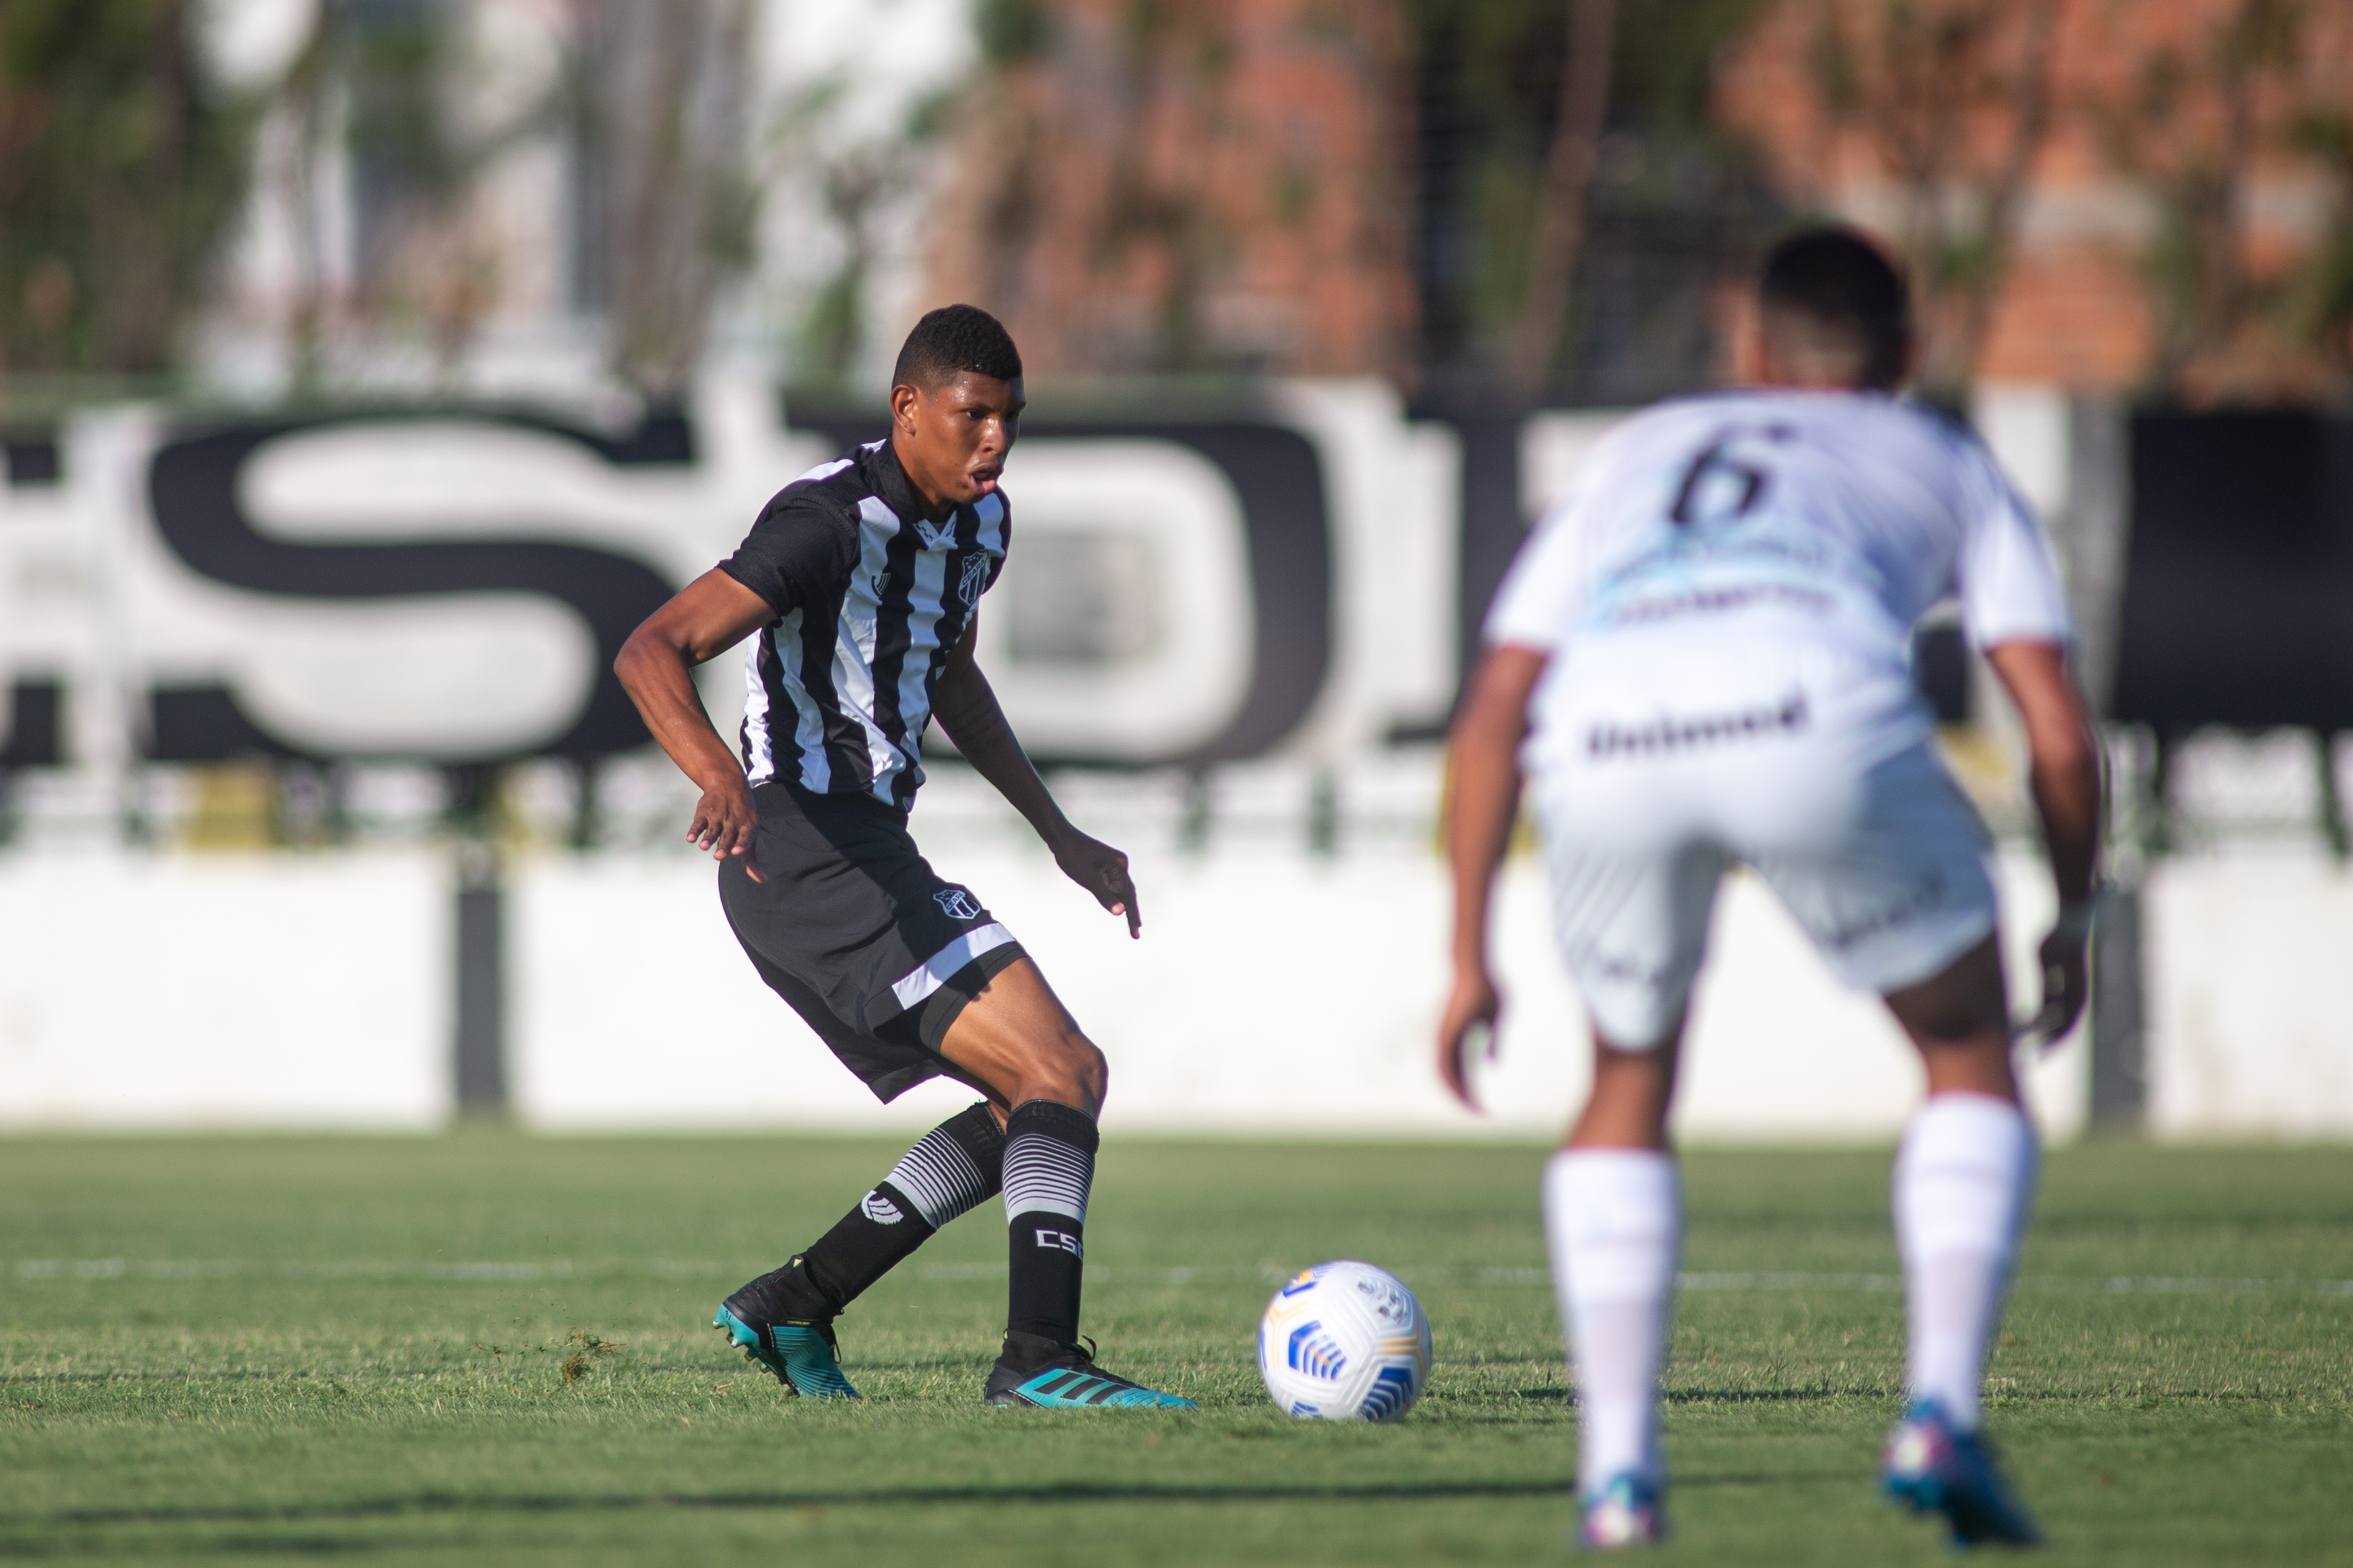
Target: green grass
282,1347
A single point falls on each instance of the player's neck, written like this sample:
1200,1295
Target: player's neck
935,506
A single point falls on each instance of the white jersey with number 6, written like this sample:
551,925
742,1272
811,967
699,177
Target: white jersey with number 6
1772,520
1726,598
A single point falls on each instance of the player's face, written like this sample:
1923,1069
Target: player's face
952,439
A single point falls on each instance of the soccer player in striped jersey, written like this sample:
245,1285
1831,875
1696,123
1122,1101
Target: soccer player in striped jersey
1701,657
860,587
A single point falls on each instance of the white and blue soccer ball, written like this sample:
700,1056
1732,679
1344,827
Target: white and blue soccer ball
1344,1342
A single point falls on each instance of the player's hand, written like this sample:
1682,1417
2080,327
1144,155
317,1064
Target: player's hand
1103,871
1467,1026
724,822
2066,986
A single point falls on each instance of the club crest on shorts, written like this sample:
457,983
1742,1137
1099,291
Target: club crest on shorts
975,578
957,904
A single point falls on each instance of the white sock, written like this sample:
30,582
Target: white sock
1963,1179
1615,1220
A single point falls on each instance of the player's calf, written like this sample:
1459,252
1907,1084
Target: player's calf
1049,1164
784,1320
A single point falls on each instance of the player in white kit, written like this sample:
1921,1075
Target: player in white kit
1701,658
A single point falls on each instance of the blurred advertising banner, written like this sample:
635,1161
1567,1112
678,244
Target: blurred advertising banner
449,586
1296,570
2240,587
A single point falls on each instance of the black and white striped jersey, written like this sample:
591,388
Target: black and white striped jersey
869,597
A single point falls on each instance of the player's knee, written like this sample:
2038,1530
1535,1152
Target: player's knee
1954,1013
1068,1068
1957,1023
1962,1005
1090,1070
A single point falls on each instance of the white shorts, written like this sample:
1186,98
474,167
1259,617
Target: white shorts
1882,863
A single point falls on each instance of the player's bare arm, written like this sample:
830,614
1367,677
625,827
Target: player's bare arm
967,710
656,666
2063,776
1484,769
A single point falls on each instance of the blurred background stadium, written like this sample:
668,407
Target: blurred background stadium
369,367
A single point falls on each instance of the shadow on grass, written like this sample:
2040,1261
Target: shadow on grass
616,1502
1771,1395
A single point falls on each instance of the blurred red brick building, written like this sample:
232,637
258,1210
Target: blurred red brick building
2153,195
2178,171
1209,185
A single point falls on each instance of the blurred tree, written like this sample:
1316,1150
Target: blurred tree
2195,126
1578,208
1560,224
385,88
2319,302
1955,98
121,166
1188,186
655,101
664,110
860,179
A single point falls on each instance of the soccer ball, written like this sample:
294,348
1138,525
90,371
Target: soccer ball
1344,1342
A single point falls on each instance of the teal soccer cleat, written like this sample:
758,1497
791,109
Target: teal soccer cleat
802,1355
1628,1512
1929,1467
1068,1379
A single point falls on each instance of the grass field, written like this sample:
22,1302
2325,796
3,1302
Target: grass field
491,1347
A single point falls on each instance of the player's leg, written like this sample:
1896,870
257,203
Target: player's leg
952,1169
1895,896
1633,931
1019,1042
1015,1039
848,925
1613,1214
1964,1177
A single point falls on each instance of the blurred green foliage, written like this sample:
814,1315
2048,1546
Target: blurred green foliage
1489,82
1011,31
120,168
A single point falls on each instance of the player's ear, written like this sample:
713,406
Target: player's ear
904,396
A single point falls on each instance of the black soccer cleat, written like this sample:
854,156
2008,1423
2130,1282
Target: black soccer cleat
782,1322
1049,1376
1930,1466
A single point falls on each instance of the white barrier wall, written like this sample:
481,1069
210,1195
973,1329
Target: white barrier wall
2252,1017
1272,993
278,991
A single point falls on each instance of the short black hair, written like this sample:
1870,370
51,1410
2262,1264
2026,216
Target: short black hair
1841,281
954,340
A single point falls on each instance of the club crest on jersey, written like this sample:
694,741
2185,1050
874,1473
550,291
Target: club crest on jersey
935,536
957,904
975,578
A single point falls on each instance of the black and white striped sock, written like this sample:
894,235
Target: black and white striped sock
953,1168
1049,1168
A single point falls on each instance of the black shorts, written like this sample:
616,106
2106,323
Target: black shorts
855,929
